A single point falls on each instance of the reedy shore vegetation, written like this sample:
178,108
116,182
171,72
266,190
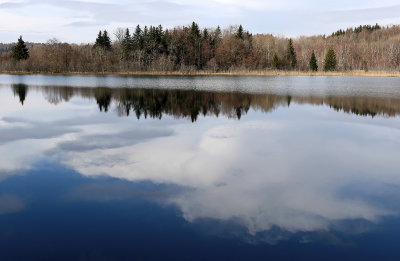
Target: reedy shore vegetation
365,50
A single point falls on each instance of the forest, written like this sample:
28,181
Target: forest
191,49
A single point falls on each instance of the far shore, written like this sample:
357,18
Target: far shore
231,73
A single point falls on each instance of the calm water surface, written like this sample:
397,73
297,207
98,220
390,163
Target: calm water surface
199,168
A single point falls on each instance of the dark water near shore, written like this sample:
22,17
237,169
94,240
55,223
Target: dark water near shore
199,168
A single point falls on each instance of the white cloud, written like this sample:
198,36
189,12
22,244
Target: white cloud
286,171
79,21
256,172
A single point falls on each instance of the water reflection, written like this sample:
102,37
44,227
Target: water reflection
21,90
301,169
190,104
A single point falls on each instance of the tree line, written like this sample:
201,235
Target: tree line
191,48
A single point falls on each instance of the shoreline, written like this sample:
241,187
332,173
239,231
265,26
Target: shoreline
235,73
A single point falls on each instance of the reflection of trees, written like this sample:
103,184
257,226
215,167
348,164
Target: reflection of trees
21,90
57,95
189,104
103,98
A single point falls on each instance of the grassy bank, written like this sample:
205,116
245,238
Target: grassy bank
231,73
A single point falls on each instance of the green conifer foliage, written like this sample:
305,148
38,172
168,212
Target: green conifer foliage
103,41
99,40
291,55
20,51
138,38
217,36
127,45
330,61
107,41
195,31
275,62
240,32
313,62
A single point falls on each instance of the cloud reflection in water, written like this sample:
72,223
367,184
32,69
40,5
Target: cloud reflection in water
287,169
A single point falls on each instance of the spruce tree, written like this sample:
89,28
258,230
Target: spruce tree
138,38
103,41
330,61
127,45
217,36
291,55
205,34
99,40
20,51
195,31
145,36
106,41
313,62
275,62
240,32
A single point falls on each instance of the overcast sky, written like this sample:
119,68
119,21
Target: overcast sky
80,20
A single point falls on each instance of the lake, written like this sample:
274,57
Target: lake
199,168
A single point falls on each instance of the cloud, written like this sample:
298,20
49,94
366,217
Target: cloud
115,140
254,172
291,171
85,24
44,19
34,130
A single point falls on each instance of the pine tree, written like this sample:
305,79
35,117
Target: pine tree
313,62
291,55
217,36
205,34
138,38
240,32
195,31
107,41
330,61
196,43
275,62
145,36
99,40
103,41
127,45
20,51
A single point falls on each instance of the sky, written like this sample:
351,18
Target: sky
79,21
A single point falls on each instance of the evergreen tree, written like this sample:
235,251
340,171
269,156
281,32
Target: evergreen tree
99,40
20,51
195,31
107,41
330,61
240,32
313,62
275,62
103,41
196,43
205,34
127,45
145,36
217,36
291,55
138,38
